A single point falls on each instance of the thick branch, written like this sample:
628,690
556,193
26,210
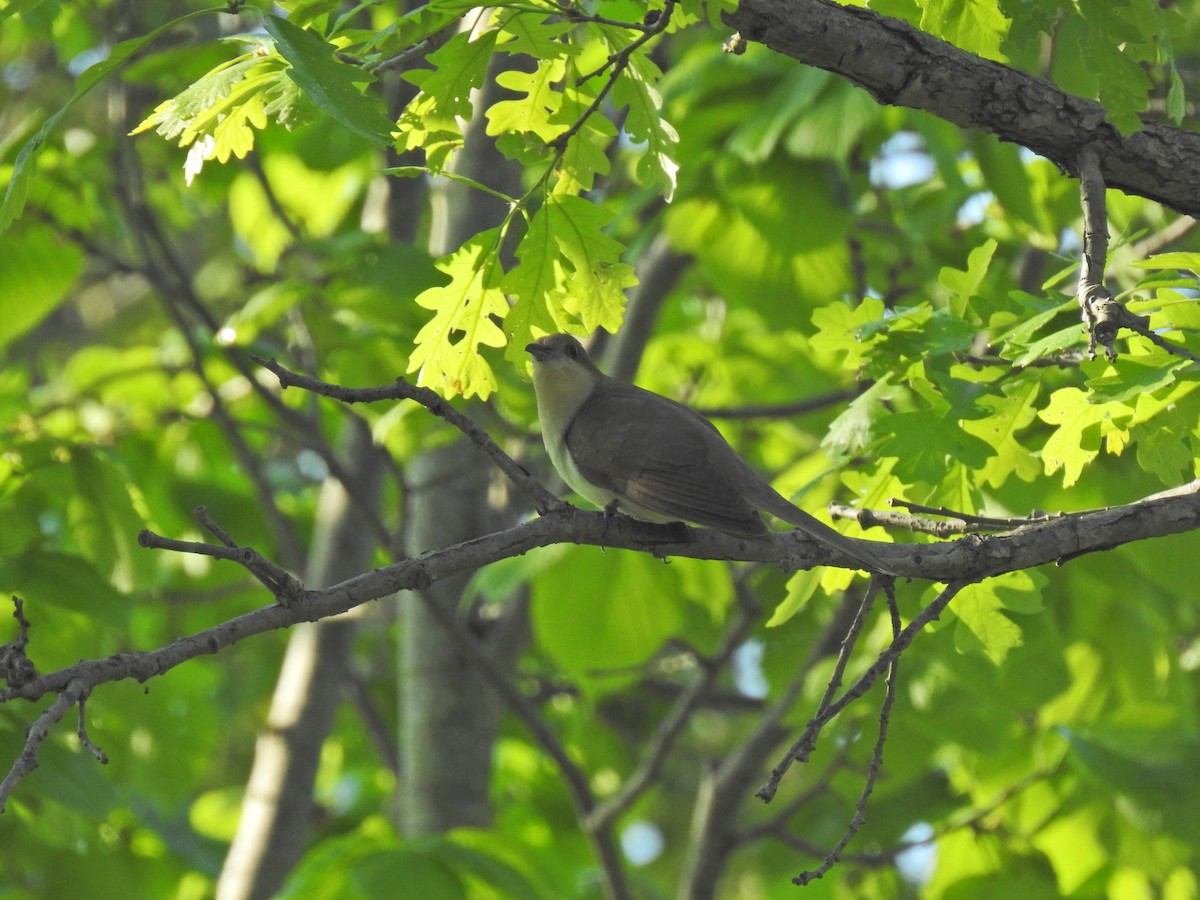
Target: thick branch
903,66
969,559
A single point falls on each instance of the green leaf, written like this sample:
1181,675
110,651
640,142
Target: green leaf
923,441
597,612
964,285
486,856
26,163
331,84
1157,770
105,514
1163,449
1075,847
1130,380
755,138
644,121
841,329
376,875
976,26
1095,58
800,588
1174,260
67,581
18,8
1008,179
301,12
569,278
40,268
1176,97
982,626
535,35
1010,414
432,120
595,276
470,305
752,247
538,283
853,430
531,114
1079,428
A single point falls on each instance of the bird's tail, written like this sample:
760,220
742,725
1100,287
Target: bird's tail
777,505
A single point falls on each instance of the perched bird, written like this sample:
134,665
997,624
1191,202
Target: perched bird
625,448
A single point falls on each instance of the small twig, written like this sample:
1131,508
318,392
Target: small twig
285,587
963,523
16,668
777,826
574,778
260,174
403,57
1156,241
1142,327
1066,359
972,820
1104,314
869,518
783,410
899,644
617,62
27,762
876,764
81,731
542,499
574,15
1100,311
373,719
201,515
801,751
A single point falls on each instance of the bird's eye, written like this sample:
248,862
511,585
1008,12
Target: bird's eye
573,351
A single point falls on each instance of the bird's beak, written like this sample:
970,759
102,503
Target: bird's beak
538,352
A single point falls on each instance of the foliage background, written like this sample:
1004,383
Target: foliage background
913,277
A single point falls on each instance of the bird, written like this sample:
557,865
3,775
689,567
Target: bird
624,448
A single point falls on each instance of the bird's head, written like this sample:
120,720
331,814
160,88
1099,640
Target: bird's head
563,374
559,352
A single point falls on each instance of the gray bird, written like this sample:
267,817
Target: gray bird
626,448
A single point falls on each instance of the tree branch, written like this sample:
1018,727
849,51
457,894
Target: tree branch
542,499
902,66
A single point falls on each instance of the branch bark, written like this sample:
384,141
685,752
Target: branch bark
971,558
900,65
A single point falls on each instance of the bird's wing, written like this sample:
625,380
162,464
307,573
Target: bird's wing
660,456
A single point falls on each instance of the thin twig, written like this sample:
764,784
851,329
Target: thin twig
542,499
27,762
16,668
876,764
81,731
1104,314
784,410
807,739
801,752
260,174
573,14
617,61
285,587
